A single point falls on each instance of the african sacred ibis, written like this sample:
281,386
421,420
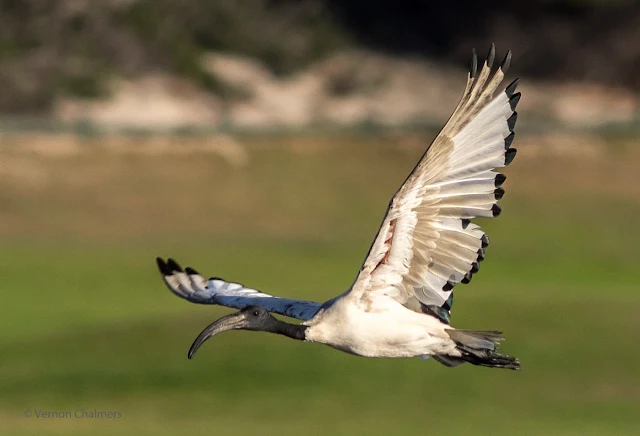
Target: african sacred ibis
399,304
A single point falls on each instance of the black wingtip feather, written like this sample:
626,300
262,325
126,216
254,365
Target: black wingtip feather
499,180
485,241
163,267
474,64
511,88
480,254
506,62
475,267
449,303
491,56
191,271
448,286
508,140
174,265
497,210
509,155
511,122
498,193
514,100
467,278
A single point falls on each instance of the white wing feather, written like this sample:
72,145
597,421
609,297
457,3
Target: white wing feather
426,243
191,286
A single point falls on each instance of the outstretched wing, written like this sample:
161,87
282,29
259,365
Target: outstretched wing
426,243
191,286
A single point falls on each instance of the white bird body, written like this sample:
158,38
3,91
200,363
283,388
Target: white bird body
386,329
399,304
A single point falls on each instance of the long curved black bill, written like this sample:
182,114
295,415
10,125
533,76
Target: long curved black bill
230,322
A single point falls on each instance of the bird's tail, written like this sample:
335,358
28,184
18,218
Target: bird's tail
478,348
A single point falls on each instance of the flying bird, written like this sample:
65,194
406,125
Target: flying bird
400,302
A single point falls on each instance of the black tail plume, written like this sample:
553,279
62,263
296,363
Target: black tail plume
478,348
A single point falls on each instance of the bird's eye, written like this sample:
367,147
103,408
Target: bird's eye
256,313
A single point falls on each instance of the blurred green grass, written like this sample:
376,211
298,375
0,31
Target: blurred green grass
86,323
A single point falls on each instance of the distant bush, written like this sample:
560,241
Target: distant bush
50,48
53,48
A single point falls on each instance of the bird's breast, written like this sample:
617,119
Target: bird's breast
394,332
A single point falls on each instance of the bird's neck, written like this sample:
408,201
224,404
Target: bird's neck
294,331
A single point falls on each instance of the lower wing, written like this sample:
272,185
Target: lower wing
191,286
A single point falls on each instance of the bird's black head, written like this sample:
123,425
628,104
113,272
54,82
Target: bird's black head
254,318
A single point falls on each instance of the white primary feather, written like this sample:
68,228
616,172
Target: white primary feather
426,244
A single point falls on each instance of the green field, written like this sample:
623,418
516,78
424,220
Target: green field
86,323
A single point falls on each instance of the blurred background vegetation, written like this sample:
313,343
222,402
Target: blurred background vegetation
261,141
53,48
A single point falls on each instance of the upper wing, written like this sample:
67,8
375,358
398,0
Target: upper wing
426,243
190,285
